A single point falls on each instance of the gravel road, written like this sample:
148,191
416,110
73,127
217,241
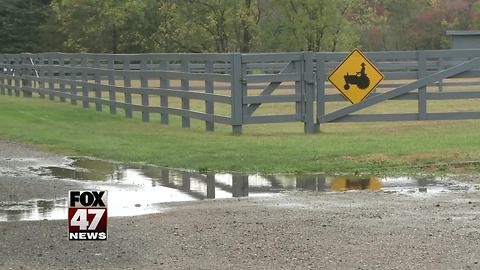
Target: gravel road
299,230
18,183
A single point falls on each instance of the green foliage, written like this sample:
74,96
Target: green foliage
152,26
139,26
310,25
218,25
86,26
19,22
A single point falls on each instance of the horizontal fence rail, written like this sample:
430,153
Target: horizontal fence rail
238,89
417,76
144,83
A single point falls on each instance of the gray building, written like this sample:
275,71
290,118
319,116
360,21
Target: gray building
464,39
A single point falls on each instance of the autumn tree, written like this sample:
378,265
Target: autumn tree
139,26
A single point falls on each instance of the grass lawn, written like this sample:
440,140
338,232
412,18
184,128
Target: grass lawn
365,147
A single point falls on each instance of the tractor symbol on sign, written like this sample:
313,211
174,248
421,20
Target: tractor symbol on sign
360,79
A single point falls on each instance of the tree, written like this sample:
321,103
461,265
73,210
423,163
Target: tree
152,25
86,25
218,25
140,26
310,25
19,25
435,18
369,19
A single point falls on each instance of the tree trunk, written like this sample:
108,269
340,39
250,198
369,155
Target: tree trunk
114,40
247,34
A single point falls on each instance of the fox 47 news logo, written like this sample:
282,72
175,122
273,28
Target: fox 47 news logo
87,215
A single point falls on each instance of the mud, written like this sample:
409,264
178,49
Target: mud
368,229
17,181
136,189
359,230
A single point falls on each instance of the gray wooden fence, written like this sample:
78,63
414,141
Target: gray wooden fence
418,76
231,89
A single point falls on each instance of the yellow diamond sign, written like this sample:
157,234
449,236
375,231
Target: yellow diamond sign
356,77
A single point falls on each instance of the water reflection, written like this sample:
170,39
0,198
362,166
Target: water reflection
38,209
139,189
87,169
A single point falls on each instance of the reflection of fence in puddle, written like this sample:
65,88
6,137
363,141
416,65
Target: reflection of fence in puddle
38,209
204,186
138,189
209,185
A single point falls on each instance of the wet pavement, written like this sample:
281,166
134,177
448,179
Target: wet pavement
139,189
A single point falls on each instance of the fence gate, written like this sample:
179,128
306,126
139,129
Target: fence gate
284,80
423,77
240,89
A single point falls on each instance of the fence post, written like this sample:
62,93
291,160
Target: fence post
61,62
2,81
41,81
164,84
26,83
237,93
127,83
144,95
2,84
18,71
98,87
9,84
320,80
85,101
111,81
244,86
209,105
73,81
9,80
51,80
308,86
185,85
299,68
422,91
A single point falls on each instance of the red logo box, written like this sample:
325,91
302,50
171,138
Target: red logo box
87,215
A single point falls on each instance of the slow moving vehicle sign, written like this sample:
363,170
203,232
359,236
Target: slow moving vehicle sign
356,77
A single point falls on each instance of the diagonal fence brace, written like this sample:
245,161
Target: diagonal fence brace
401,90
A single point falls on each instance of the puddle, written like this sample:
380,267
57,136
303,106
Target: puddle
34,210
139,189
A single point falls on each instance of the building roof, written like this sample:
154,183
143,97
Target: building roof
464,33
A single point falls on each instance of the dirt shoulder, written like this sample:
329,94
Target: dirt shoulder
353,230
358,230
18,183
